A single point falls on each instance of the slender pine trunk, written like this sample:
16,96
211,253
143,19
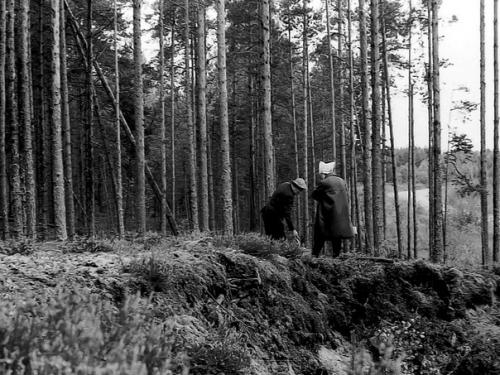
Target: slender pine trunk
305,69
332,82
139,120
483,178
56,125
12,120
118,140
366,128
202,117
270,179
89,131
387,88
340,69
376,151
227,208
67,151
437,252
496,151
4,198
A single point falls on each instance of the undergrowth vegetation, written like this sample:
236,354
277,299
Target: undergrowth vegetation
247,305
74,332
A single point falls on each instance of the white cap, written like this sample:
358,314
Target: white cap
326,168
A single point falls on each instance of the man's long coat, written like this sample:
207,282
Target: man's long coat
332,216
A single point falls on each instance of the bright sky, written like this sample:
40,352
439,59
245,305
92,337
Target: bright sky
459,45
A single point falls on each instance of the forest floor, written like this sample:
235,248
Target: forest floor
242,305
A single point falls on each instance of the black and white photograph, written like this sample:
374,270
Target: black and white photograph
249,187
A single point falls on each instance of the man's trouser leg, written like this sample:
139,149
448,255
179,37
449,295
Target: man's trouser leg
318,242
336,246
273,224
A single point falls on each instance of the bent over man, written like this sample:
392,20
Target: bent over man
279,209
332,222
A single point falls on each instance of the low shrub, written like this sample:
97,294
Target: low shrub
73,332
23,247
88,245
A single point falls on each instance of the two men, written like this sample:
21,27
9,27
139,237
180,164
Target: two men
332,215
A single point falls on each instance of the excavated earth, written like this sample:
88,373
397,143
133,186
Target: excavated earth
243,306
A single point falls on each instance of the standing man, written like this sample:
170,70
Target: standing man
333,221
279,209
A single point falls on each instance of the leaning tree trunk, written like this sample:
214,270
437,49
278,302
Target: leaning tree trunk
376,151
25,116
139,120
56,126
367,159
4,199
437,251
227,194
483,178
202,117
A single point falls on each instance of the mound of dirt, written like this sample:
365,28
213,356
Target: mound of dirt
236,313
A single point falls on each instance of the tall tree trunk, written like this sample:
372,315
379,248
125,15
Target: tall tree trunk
253,195
496,151
410,172
227,194
4,199
89,131
202,117
163,127
437,251
332,82
294,121
25,116
118,140
376,151
139,120
391,135
211,197
193,186
341,93
67,152
311,128
12,120
172,114
354,172
483,178
430,111
270,179
56,125
305,69
367,157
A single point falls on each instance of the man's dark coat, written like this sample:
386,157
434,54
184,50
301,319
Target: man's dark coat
332,216
279,208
